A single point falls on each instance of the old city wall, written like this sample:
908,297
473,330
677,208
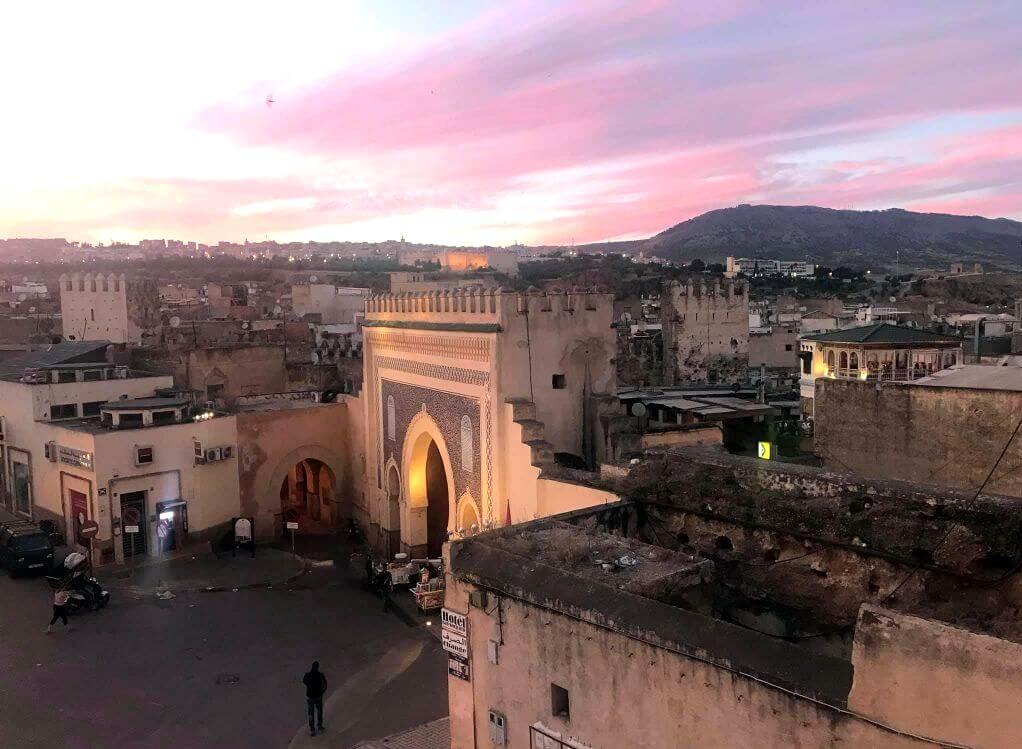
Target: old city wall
930,678
705,331
920,434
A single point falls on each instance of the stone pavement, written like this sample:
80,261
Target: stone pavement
434,735
203,571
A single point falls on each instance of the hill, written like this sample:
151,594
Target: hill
841,237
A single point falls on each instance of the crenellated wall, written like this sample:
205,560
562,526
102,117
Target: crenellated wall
705,331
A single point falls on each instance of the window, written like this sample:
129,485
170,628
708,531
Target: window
117,284
391,419
81,285
214,391
92,285
130,420
92,408
143,455
467,459
787,347
65,376
92,312
558,382
163,417
92,375
106,285
70,286
559,705
64,411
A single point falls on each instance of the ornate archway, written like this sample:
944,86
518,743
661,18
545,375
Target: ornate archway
428,481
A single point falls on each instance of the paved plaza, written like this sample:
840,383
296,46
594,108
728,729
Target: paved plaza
218,668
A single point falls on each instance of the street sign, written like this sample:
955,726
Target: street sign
88,529
131,529
458,668
454,622
292,526
456,645
766,450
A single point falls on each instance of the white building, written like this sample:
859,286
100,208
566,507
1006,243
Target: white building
767,267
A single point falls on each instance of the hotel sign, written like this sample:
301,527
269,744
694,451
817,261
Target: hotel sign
454,622
73,457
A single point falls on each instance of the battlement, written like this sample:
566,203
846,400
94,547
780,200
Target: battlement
702,293
100,282
480,305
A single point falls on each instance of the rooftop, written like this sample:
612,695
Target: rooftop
884,333
1006,376
69,352
135,404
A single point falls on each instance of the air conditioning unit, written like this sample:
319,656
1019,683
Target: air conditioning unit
214,454
50,451
200,454
227,452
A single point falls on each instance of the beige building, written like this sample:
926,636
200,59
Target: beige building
328,304
94,306
85,440
705,331
674,627
471,399
461,260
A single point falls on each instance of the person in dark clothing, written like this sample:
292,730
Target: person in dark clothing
60,599
315,687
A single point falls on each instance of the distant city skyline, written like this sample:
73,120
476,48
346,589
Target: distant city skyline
527,121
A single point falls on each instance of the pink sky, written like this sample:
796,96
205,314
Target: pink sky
524,121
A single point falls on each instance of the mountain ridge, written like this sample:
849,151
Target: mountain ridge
839,236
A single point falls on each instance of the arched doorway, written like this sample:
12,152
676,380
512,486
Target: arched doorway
428,492
438,499
307,496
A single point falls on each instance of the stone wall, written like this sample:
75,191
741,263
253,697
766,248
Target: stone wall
705,332
937,435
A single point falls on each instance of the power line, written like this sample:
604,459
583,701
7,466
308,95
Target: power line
965,509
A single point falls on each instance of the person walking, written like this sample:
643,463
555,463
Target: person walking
315,687
60,599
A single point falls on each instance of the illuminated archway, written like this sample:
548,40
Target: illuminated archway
307,496
428,512
393,509
468,516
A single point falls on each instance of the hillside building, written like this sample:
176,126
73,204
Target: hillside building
327,304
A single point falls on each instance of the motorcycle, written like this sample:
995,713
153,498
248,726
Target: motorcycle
85,591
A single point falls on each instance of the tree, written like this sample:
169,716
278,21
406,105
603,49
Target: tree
697,266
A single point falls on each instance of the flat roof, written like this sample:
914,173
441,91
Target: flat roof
977,376
883,332
133,404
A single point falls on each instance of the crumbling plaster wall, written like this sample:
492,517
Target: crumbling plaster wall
936,435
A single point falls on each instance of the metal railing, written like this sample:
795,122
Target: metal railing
540,739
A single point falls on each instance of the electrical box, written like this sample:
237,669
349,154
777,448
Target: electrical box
50,451
491,651
227,452
477,598
498,728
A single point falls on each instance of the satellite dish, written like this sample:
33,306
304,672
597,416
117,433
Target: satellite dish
31,310
277,309
639,409
175,321
313,279
22,297
244,325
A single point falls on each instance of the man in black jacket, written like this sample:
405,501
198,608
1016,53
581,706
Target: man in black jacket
315,687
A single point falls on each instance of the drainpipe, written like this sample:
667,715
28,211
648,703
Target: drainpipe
977,336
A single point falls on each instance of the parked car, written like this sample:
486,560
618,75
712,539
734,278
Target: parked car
25,548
